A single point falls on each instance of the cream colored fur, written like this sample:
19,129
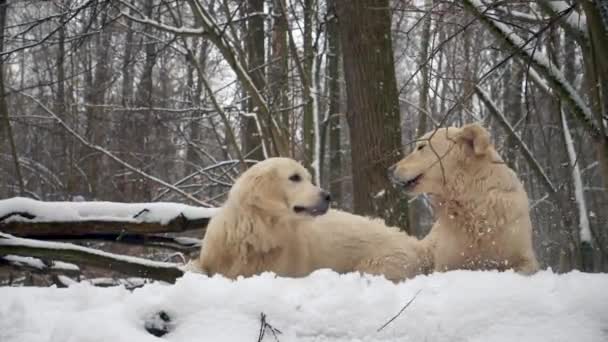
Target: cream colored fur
257,230
481,207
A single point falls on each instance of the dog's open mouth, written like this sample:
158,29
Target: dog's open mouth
312,211
410,184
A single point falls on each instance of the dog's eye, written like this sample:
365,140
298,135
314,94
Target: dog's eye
295,178
420,147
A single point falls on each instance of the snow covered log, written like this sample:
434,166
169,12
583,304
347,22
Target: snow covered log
45,220
128,265
38,265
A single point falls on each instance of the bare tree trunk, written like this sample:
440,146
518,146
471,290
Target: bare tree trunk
143,122
278,70
95,97
65,145
127,67
4,106
251,139
513,79
308,129
597,25
373,106
334,115
425,45
194,97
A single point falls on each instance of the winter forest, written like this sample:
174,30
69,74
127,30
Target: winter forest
125,123
148,101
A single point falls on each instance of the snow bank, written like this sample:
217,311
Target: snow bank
453,306
162,212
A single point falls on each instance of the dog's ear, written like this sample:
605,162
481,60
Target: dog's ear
477,138
266,194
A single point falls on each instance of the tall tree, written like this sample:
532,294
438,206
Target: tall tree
372,106
255,60
307,81
334,117
425,45
5,127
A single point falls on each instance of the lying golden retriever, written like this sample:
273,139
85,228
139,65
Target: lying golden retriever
276,220
481,207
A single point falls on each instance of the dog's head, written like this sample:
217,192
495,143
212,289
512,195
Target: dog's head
279,187
438,155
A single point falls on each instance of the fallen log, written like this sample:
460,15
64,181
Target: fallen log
72,229
26,217
128,265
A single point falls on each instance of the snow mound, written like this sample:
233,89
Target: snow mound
161,212
325,306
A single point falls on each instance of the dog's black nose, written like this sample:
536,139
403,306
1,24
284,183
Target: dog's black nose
326,196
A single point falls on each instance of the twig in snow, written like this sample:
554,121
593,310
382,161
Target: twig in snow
141,212
265,325
400,311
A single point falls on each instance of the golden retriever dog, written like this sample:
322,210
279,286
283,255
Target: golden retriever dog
276,220
481,207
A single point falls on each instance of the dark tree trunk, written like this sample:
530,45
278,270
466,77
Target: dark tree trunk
255,60
308,128
5,127
279,63
333,72
423,96
372,106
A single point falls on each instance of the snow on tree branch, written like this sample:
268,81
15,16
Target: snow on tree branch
181,31
577,180
573,22
485,98
543,65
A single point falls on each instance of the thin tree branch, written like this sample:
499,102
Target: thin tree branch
502,120
113,157
543,65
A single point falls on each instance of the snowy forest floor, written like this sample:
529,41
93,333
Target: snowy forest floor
325,306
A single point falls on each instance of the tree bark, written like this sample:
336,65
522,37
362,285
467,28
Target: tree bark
423,95
97,84
278,70
372,106
3,104
251,139
308,128
334,115
83,228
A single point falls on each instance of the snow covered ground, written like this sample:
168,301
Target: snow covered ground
161,212
453,306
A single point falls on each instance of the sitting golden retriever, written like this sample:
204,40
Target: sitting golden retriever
276,220
481,207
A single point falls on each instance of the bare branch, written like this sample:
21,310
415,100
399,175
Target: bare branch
543,65
114,157
485,98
